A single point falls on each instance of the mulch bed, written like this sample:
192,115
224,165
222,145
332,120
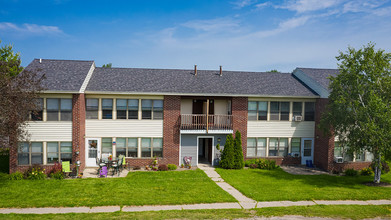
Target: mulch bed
381,184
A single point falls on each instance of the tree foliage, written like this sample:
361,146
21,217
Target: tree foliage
18,89
238,151
107,65
359,103
228,157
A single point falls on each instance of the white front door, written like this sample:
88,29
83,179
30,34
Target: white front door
307,150
92,151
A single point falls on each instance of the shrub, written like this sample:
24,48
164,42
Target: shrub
172,166
351,172
163,167
253,166
384,167
57,167
238,151
35,172
16,176
59,175
247,163
136,168
228,157
366,171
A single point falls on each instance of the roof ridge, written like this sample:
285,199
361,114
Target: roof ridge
64,60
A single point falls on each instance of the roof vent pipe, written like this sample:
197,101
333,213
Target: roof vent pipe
221,70
40,60
195,70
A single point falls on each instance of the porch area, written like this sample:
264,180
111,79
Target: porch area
204,123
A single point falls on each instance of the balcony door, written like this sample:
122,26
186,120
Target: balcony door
199,106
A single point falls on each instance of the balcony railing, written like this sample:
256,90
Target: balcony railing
206,122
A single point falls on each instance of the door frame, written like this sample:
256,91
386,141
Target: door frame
303,159
213,150
98,150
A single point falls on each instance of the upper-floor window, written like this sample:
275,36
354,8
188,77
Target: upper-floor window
127,108
297,109
37,114
59,109
309,111
92,108
152,109
107,108
30,153
279,111
257,110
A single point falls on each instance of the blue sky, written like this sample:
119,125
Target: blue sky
248,35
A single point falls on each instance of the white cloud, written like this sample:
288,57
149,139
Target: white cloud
262,5
284,26
382,11
213,25
34,29
243,3
302,6
361,5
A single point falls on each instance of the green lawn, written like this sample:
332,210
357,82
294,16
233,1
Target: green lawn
138,188
332,211
274,185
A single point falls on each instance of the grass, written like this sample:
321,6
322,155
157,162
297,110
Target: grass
138,188
332,211
275,185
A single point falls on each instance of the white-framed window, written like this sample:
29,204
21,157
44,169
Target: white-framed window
343,151
151,147
278,147
256,147
107,146
127,108
297,109
58,152
59,109
295,146
92,108
309,114
151,109
279,111
30,153
37,114
107,108
257,110
127,147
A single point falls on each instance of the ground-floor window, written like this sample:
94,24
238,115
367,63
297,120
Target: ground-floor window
273,147
127,147
30,153
107,146
256,147
59,151
341,151
151,147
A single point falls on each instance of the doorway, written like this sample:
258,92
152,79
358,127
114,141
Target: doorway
307,150
92,151
205,150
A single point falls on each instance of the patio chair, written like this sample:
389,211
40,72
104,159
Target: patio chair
66,167
187,161
124,164
117,166
103,172
100,163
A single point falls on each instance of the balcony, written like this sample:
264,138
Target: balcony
202,123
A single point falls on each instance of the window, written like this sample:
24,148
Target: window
92,107
151,147
341,151
107,108
295,146
37,114
278,147
107,146
279,111
261,147
59,151
152,109
309,111
127,108
297,109
257,111
127,147
30,153
251,147
59,109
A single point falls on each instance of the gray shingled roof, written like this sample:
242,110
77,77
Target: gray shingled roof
320,75
61,75
176,81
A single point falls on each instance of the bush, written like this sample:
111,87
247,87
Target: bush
384,167
136,168
57,167
351,172
16,176
163,167
253,166
238,151
366,172
228,157
247,163
35,172
59,175
172,166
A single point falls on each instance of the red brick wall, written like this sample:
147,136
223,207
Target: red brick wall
239,112
324,144
78,130
282,160
340,167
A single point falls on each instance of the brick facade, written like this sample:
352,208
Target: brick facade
78,130
239,112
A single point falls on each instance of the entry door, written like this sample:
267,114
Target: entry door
92,151
307,150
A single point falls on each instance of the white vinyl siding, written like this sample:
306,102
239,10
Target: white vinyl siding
50,131
124,128
280,129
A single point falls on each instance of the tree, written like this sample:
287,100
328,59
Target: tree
238,151
359,103
227,157
107,65
274,71
19,89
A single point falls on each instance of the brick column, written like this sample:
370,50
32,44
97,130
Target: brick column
171,134
324,144
13,155
78,130
239,112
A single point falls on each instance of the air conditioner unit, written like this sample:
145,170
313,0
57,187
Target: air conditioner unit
339,159
298,118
